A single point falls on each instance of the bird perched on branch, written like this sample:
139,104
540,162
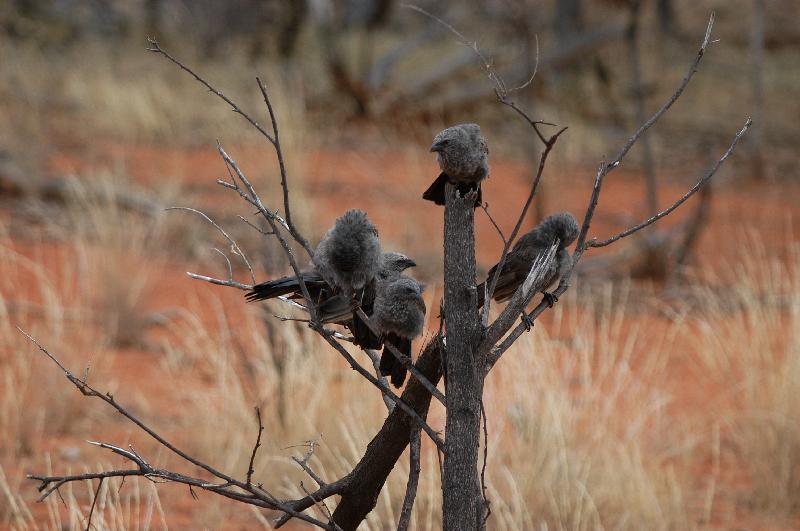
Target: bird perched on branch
349,255
334,307
561,228
392,266
399,313
464,160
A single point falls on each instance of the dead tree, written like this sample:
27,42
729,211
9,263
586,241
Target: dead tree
470,346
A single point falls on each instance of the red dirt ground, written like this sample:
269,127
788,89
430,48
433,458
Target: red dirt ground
336,181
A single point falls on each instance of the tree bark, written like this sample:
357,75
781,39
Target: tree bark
364,483
462,503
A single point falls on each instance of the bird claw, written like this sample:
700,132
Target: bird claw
527,321
549,298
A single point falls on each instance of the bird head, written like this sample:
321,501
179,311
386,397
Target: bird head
460,148
395,263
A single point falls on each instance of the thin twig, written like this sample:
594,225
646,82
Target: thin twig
380,385
413,481
485,207
250,467
220,282
254,226
700,184
94,503
405,360
272,220
548,146
234,245
227,261
665,107
276,142
156,48
582,244
486,502
251,494
375,358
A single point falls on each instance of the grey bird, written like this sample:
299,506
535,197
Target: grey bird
399,313
463,158
349,255
334,307
561,228
392,266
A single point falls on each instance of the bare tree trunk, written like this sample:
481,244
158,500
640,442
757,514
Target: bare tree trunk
639,97
757,79
568,20
463,506
666,16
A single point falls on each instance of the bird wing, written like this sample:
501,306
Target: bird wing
286,285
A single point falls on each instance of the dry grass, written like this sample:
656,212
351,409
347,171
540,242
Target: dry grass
607,416
582,432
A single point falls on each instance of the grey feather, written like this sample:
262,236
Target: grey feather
399,313
463,157
349,255
562,228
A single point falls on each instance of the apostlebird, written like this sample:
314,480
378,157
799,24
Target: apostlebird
463,158
561,228
399,313
349,255
392,265
334,307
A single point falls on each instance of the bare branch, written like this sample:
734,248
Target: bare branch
220,282
380,385
549,143
603,170
252,225
582,245
94,503
251,495
272,219
665,107
405,360
413,481
375,357
227,261
702,182
234,245
311,445
250,469
521,298
284,179
156,48
485,207
324,492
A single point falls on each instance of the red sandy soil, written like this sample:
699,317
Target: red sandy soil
335,181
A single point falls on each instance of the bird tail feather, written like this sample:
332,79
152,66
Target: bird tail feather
391,366
435,191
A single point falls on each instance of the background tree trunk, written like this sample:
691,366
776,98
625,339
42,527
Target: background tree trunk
757,79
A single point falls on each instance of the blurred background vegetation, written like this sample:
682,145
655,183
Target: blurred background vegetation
660,394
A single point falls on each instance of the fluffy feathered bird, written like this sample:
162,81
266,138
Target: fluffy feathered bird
399,313
349,255
392,266
561,228
463,158
334,307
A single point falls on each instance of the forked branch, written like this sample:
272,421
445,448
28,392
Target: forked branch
230,487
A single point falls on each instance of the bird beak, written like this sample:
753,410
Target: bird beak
408,262
437,146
